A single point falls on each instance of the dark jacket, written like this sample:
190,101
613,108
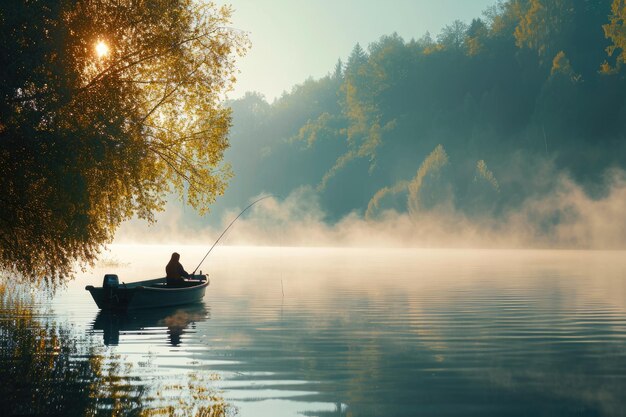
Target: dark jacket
175,272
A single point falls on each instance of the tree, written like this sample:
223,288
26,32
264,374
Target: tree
544,26
453,36
476,34
356,60
615,30
425,42
430,186
338,71
106,107
561,65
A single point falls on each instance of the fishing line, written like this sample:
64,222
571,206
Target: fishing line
228,227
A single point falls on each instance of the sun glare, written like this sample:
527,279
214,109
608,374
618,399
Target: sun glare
102,49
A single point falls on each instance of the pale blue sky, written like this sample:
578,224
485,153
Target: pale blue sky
295,39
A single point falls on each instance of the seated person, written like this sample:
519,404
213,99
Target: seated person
175,273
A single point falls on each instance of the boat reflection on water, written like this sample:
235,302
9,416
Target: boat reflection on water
177,320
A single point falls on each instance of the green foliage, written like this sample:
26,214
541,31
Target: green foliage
476,35
484,174
87,141
483,193
518,89
615,30
375,202
561,65
543,25
428,188
453,36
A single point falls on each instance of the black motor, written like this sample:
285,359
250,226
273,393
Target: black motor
110,281
109,285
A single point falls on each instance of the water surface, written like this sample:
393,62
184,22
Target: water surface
332,332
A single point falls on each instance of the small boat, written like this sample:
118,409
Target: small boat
147,294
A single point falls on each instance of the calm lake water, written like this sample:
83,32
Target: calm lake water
330,332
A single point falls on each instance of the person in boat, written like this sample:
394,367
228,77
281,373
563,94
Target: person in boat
174,271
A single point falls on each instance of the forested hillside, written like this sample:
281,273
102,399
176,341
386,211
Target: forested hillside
476,119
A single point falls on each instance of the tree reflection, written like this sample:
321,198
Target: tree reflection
48,368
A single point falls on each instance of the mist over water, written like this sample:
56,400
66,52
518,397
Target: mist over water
567,217
361,332
445,234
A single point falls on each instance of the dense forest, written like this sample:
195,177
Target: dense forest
477,119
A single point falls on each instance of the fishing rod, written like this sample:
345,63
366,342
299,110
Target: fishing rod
228,227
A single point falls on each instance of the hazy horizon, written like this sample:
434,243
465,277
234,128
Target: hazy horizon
479,136
320,208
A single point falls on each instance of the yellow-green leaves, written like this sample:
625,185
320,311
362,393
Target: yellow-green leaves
484,174
425,186
87,139
615,30
561,65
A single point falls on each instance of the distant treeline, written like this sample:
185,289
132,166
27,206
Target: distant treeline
477,119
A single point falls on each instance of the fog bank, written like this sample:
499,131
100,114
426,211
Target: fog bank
565,218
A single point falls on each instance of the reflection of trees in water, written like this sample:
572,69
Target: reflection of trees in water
39,372
466,352
45,368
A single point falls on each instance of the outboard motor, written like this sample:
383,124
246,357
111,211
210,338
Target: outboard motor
110,283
